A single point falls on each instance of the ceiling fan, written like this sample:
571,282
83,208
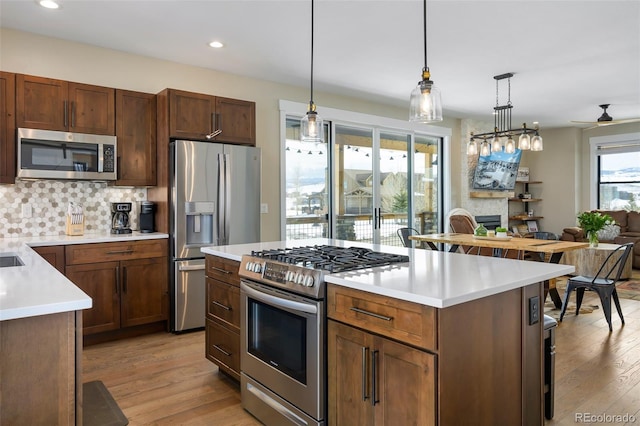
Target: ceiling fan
605,119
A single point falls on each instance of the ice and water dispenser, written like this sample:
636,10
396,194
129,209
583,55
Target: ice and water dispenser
200,217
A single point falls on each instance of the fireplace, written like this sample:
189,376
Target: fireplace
489,221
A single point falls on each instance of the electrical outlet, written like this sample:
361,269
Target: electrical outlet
534,310
27,211
264,208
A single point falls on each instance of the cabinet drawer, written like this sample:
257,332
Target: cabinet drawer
223,302
404,321
223,348
104,252
222,269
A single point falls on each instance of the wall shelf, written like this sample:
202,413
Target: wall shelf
491,194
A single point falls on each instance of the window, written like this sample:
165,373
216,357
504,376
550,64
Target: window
371,177
617,160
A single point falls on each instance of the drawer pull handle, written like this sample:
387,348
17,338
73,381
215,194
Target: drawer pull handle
362,311
120,252
225,307
222,271
222,350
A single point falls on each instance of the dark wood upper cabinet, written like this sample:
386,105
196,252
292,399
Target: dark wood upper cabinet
136,133
7,127
45,103
197,116
237,120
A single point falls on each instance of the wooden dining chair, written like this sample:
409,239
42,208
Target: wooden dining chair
604,283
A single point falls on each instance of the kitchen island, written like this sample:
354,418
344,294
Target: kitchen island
444,339
41,332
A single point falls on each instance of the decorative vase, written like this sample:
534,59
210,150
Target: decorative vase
593,238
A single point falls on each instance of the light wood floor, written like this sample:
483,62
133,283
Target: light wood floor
165,379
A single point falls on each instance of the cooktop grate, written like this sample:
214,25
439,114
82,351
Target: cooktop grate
332,258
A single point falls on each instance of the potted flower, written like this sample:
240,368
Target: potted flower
501,232
591,223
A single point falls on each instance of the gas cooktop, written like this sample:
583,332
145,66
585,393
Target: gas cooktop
301,269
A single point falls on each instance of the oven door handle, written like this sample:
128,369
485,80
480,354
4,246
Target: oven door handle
278,301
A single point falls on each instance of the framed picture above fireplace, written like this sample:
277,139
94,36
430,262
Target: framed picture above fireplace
497,171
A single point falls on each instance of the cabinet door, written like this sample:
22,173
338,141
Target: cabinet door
404,385
100,282
52,254
91,109
41,103
7,127
191,115
237,120
136,132
349,384
145,291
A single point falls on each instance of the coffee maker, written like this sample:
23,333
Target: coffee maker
120,218
146,222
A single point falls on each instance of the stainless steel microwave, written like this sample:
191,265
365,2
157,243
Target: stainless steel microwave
48,154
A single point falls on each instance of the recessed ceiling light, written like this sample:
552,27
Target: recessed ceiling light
216,44
49,4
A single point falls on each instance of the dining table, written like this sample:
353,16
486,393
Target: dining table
548,250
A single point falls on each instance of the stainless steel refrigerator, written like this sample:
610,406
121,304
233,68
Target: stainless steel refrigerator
215,200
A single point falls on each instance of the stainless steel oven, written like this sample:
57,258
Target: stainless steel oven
283,322
281,345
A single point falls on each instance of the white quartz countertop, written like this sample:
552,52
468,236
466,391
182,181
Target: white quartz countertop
432,278
37,288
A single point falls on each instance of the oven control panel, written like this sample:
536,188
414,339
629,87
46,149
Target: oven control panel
283,275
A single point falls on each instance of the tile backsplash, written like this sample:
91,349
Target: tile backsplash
48,201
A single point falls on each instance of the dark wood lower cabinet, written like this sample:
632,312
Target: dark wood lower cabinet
478,362
128,282
40,370
223,314
376,381
52,254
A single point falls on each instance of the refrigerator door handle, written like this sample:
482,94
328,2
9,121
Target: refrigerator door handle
221,201
191,268
227,199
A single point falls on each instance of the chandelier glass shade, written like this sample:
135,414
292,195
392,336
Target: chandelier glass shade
425,104
529,139
311,125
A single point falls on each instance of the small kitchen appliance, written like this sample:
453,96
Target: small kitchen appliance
146,222
120,218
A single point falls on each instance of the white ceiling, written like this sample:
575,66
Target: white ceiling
568,56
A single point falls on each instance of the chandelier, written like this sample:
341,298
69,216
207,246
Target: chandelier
529,138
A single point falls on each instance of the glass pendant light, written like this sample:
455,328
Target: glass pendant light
510,146
496,145
536,143
485,149
472,148
524,142
425,104
311,125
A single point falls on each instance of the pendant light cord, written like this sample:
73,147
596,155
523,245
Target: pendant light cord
424,8
311,100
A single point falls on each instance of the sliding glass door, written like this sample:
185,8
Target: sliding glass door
362,184
353,183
